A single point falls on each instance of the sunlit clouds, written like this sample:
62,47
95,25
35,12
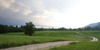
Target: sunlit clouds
6,3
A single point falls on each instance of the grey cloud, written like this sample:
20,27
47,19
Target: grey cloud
21,11
9,17
58,5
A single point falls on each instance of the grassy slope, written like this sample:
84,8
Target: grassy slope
80,46
92,33
18,39
83,45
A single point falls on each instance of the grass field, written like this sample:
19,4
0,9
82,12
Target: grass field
92,33
83,45
19,39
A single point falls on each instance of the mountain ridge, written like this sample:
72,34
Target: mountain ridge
94,24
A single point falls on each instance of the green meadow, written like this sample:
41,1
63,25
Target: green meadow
84,45
14,39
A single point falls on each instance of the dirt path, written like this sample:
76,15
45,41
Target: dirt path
93,38
43,46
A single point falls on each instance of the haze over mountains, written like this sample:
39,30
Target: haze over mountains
94,24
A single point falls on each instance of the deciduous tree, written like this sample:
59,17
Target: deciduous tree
29,28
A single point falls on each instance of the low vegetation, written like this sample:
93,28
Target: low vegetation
19,38
80,46
92,33
83,45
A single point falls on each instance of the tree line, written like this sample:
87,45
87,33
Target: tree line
7,28
88,28
28,29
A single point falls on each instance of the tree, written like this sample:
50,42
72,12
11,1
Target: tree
62,28
29,28
88,28
80,29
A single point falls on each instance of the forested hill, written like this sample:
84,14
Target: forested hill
94,24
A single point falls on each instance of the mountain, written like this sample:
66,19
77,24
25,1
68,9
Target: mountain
94,24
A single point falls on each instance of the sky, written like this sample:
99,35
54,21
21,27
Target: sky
50,13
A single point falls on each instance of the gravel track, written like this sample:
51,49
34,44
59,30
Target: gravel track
93,38
45,46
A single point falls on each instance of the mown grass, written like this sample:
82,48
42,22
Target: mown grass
92,33
19,39
80,46
83,45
